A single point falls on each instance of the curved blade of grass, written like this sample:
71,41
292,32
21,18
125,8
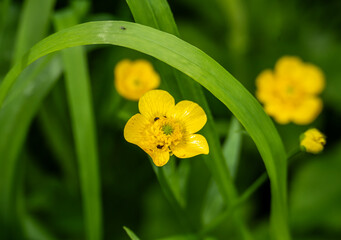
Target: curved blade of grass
15,119
80,103
194,63
157,14
18,114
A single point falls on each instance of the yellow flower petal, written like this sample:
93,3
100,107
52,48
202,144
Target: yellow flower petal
193,145
191,114
159,158
156,103
312,79
134,129
282,117
313,141
265,83
309,109
288,66
122,68
121,72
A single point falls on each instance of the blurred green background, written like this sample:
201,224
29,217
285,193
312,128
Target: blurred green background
245,37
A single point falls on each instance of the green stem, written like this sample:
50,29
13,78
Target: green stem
180,212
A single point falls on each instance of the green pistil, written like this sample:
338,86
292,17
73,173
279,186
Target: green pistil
290,90
137,82
167,130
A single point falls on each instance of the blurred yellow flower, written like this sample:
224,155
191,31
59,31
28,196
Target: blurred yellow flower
135,78
163,128
313,141
289,93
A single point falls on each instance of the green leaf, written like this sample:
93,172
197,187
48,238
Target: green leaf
54,122
196,64
33,27
80,104
131,234
15,118
170,191
232,146
213,205
22,105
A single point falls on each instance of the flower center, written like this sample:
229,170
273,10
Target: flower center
167,129
164,133
290,90
137,82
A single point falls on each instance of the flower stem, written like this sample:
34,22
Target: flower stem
180,212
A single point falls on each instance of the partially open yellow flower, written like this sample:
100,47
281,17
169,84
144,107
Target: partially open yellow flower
135,78
313,141
164,128
290,92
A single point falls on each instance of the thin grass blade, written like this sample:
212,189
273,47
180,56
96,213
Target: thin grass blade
80,104
232,146
15,119
33,27
18,114
131,234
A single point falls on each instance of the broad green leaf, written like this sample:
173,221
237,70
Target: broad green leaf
131,234
80,104
200,67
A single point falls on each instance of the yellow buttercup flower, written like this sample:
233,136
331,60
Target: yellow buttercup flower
135,78
163,128
290,92
313,141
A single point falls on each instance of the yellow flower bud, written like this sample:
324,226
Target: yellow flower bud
313,141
